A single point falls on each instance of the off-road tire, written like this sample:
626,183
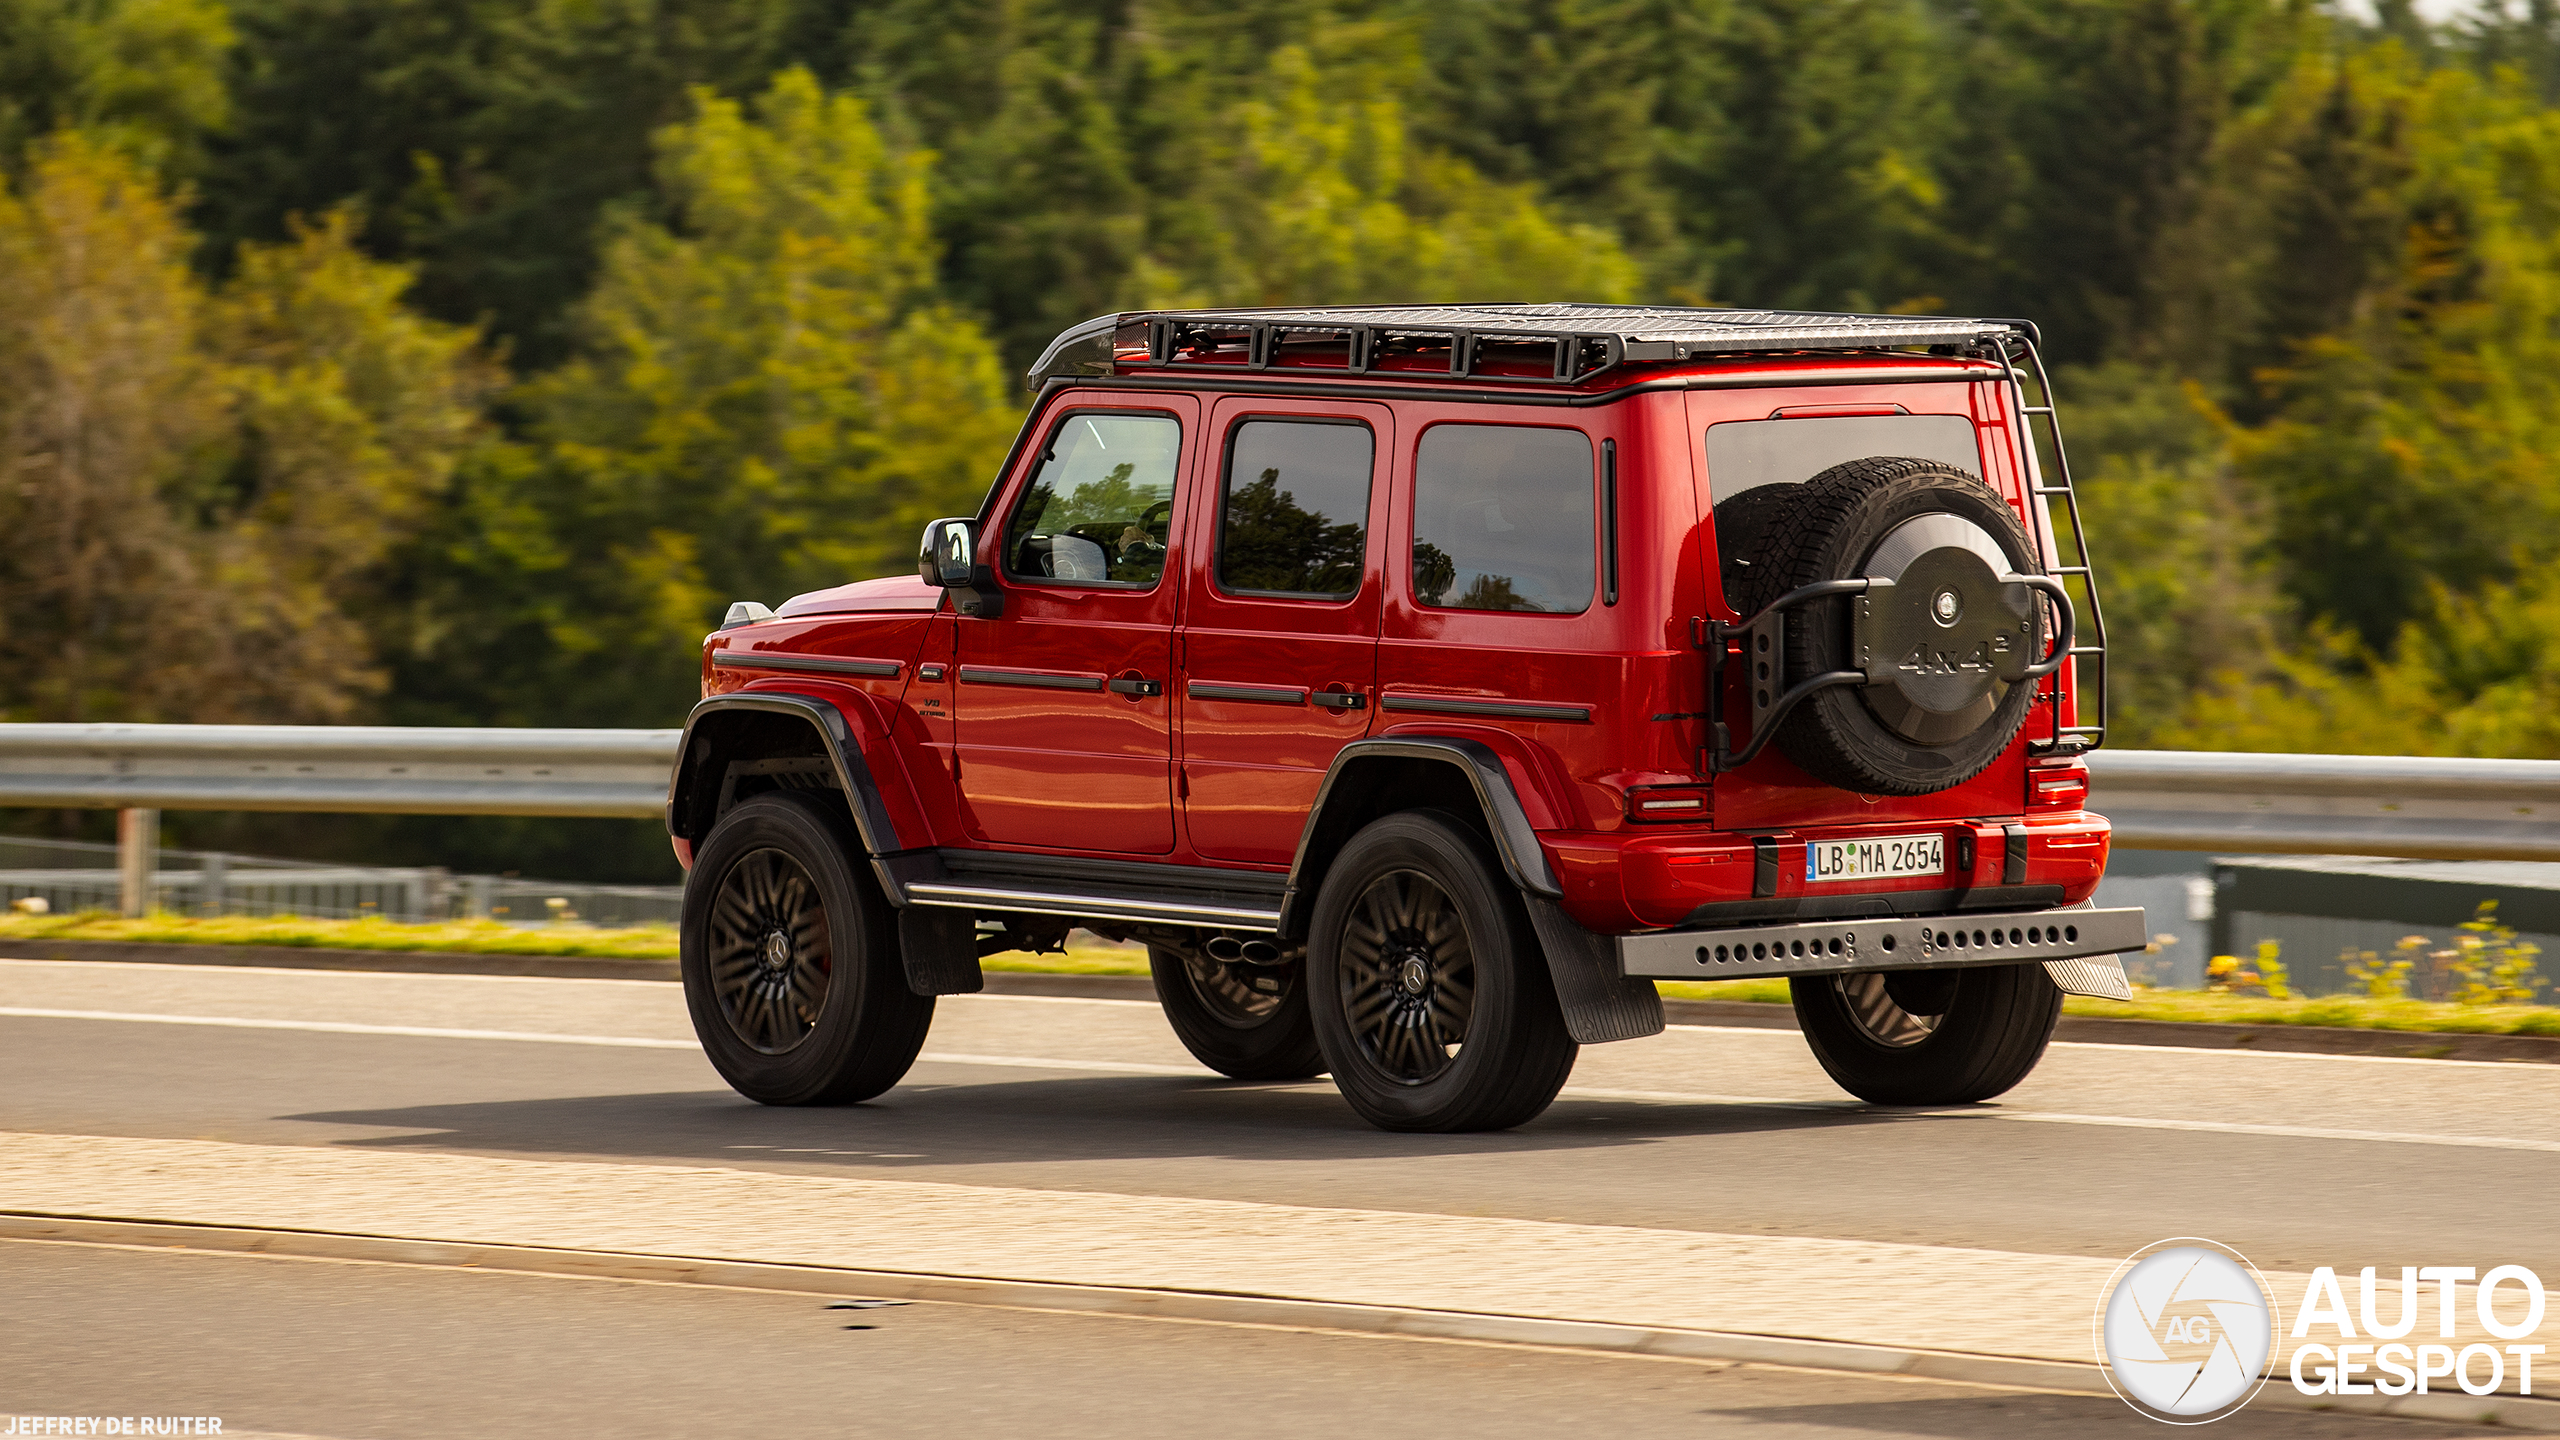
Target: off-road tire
785,864
1743,523
1219,1016
1828,529
1483,982
1992,1032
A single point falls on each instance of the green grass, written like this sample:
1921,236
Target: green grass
1091,957
481,937
2346,1012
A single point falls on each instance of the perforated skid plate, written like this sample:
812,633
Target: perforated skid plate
1883,942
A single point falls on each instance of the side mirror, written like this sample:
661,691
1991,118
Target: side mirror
949,553
949,558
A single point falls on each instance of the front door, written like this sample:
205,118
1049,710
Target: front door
1280,622
1064,702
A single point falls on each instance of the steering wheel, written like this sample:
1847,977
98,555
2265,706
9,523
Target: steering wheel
1156,514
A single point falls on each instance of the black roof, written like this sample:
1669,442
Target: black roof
1585,339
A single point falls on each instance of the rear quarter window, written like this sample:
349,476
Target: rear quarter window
1503,519
1746,454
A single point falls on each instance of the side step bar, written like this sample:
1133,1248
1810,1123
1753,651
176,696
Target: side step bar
1883,942
1061,901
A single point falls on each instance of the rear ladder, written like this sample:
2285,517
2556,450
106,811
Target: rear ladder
2089,651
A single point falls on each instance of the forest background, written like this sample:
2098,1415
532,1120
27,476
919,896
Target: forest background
454,362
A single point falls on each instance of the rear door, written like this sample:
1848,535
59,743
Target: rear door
1063,704
1280,622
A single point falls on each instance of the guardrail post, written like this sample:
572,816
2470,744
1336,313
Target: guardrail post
214,886
137,857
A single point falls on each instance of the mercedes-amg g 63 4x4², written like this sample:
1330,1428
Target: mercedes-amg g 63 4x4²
1420,685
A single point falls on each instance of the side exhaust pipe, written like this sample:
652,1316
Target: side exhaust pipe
1226,949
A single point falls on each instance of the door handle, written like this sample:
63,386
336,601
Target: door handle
1136,685
1340,699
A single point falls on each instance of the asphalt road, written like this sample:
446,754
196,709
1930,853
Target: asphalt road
387,1352
2104,1150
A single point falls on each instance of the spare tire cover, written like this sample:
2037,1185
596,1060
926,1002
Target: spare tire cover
1946,639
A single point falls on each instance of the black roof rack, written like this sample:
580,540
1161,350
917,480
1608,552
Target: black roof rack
1582,340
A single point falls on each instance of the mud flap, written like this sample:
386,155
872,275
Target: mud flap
940,948
2100,976
1600,1004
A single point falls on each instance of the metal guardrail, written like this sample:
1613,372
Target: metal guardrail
364,769
2420,807
2158,799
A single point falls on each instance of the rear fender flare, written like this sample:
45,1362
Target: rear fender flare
1332,819
693,789
1599,1003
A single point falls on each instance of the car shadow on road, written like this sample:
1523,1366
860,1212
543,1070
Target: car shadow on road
928,1126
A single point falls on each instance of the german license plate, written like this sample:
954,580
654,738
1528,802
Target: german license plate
1885,858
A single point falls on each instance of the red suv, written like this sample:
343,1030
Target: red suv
1420,685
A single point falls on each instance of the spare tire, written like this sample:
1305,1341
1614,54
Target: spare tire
1946,698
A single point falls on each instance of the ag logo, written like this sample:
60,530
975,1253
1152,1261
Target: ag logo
2185,1328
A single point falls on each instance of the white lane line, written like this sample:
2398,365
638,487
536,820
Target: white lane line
1766,1032
1775,1033
2053,1117
1130,1067
347,1027
549,1037
2290,1132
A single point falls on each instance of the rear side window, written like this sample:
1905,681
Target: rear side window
1502,519
1294,516
1099,511
1746,454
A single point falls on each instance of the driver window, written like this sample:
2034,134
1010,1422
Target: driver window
1099,511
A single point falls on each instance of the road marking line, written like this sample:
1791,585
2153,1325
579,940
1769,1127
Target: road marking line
546,1037
1138,1067
1764,1031
1777,1033
348,1027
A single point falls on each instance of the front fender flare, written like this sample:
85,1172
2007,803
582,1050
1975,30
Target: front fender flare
687,803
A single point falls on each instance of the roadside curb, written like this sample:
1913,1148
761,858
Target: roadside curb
2008,1372
2075,1029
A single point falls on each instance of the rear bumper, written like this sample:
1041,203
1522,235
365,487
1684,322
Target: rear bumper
1882,942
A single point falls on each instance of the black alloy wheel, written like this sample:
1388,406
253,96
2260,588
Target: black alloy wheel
1245,1021
1408,977
768,951
1428,987
790,958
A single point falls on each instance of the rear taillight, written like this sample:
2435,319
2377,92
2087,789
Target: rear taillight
2058,787
1670,804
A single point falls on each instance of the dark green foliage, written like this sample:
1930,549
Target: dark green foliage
2303,269
484,139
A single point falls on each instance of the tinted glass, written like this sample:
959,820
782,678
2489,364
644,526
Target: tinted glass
1502,518
1746,454
1102,504
1297,506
